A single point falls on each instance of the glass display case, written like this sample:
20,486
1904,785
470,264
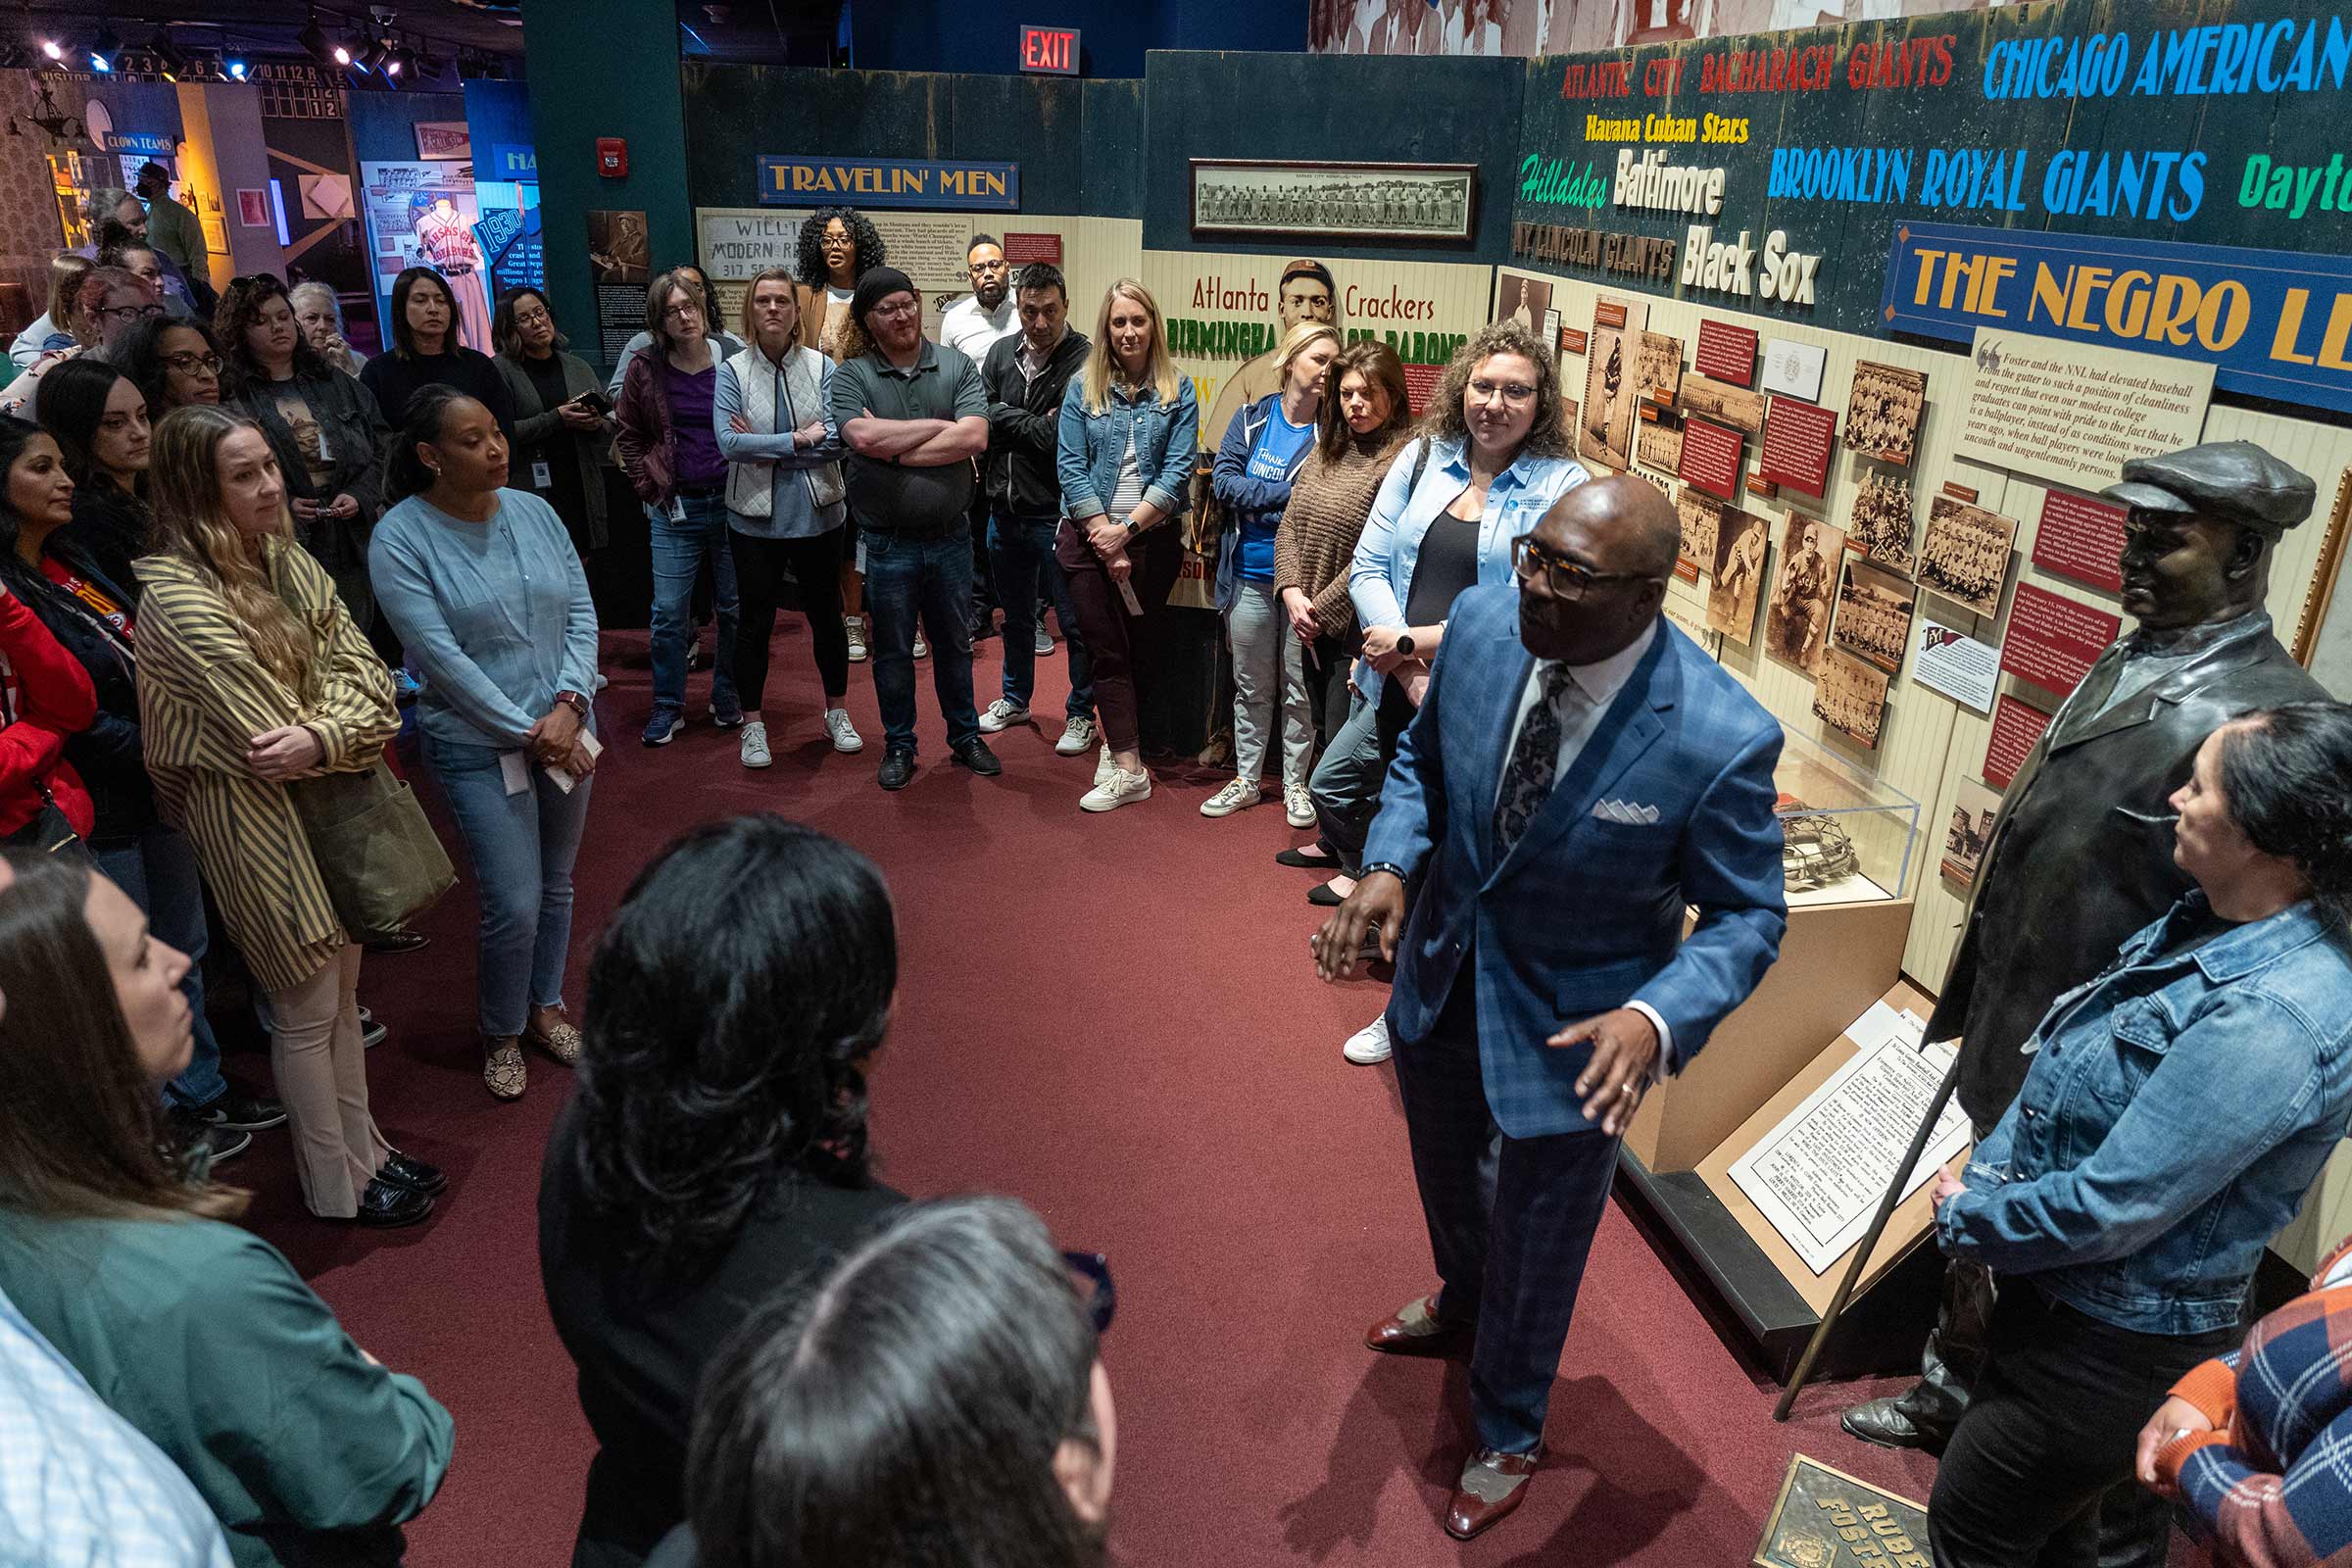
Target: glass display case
1847,837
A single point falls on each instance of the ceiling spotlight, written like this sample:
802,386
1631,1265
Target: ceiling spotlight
398,62
312,39
371,55
342,53
53,49
236,70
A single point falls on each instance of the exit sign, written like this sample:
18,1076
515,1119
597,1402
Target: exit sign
1054,50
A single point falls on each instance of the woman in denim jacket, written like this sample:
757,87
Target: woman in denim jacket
2177,1109
1130,434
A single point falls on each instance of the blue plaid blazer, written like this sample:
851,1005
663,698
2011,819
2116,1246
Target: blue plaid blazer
1586,912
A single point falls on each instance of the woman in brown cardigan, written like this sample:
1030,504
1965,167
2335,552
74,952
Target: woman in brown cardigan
251,675
1366,412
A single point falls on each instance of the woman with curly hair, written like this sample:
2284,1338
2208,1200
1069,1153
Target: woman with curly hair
838,245
715,1148
324,425
1491,459
176,363
2177,1109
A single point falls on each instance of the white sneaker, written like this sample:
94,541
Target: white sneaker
1118,789
1002,714
1045,639
1076,736
754,748
855,627
844,734
1298,805
923,648
1369,1045
1231,799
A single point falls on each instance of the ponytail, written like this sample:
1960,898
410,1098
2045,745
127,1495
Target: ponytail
405,472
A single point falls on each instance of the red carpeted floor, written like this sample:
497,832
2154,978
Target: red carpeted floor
1114,1018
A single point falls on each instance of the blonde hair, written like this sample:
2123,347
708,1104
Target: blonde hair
792,286
184,485
1296,341
1159,369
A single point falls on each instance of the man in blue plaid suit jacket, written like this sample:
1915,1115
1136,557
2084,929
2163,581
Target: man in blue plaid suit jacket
1578,773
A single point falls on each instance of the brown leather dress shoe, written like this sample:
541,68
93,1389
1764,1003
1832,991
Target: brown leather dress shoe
1415,1329
1492,1484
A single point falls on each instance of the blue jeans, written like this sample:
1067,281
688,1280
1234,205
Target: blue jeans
933,578
679,550
521,847
158,869
1019,548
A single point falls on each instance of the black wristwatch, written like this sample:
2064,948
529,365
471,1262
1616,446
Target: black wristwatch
1404,644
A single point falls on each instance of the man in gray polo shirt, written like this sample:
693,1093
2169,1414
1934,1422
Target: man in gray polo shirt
914,415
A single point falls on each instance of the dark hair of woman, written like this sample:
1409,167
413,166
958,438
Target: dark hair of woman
907,1411
504,335
404,340
23,580
1446,419
113,238
870,251
405,472
81,1129
139,355
66,272
241,306
2287,777
73,397
658,304
1378,363
733,1002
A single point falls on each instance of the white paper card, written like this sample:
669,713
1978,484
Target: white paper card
543,477
1135,605
1953,662
515,771
1819,1175
1793,369
560,777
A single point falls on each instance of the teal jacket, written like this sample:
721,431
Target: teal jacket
203,1337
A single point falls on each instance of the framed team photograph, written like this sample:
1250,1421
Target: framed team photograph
1701,516
1740,539
1970,829
1658,366
1435,202
1658,445
1880,521
1735,406
1874,613
1965,554
1850,695
1796,626
1881,412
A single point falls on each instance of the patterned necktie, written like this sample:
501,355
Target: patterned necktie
1535,763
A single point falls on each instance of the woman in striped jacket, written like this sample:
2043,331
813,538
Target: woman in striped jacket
251,674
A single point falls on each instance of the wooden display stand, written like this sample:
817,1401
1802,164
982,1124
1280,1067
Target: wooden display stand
1835,960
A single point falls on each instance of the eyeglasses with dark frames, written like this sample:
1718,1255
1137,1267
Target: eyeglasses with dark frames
130,313
188,360
1566,579
1102,1296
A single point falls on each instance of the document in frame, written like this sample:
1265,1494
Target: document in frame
1819,1175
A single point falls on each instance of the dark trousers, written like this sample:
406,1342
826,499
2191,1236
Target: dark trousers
983,579
1020,555
1509,1243
761,567
1104,620
2050,1429
1327,695
906,579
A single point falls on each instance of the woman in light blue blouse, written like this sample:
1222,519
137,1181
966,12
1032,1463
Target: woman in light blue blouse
785,503
486,591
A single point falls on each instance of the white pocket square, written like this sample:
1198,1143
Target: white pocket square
1626,812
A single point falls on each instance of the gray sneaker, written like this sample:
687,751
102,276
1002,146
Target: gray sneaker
1076,736
1002,714
753,748
1045,639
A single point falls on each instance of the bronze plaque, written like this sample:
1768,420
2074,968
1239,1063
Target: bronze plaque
1826,1518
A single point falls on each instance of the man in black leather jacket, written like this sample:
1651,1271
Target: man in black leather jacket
2081,855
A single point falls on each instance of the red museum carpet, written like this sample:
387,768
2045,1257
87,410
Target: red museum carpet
1114,1018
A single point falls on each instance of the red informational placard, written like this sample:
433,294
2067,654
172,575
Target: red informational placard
1421,384
1023,249
1710,459
1798,439
2015,729
2082,538
1966,494
1573,339
2052,640
1608,312
1726,352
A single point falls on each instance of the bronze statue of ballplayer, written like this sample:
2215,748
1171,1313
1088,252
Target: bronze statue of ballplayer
2081,855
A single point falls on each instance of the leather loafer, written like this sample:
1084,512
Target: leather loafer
898,768
1492,1484
1415,1329
1887,1424
401,1170
387,1205
976,755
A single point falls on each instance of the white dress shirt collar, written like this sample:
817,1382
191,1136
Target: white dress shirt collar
1604,679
